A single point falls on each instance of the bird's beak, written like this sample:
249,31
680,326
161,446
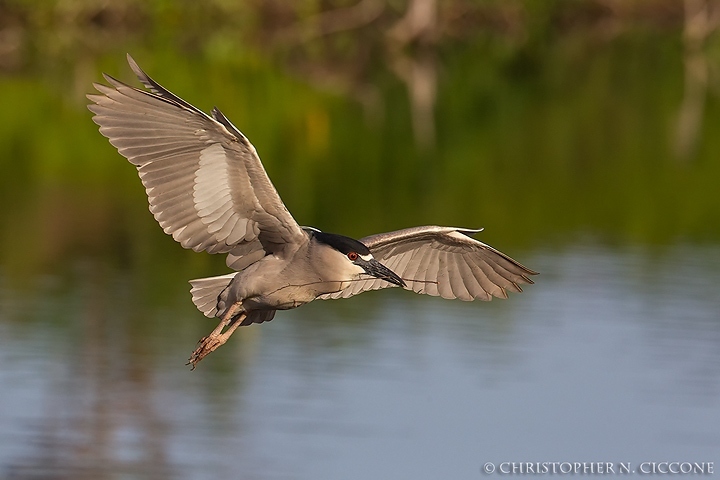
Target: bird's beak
378,270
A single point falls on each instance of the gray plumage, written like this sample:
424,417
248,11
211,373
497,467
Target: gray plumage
442,261
208,189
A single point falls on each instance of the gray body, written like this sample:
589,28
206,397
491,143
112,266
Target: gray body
282,283
208,189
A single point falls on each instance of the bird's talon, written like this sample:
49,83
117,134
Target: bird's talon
207,345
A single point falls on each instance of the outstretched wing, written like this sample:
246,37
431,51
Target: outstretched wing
442,261
204,180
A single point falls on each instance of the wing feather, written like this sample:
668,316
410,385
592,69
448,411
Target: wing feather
458,284
443,275
415,268
471,282
493,280
403,261
429,274
205,183
444,261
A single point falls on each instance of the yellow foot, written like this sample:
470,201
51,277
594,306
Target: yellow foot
207,345
216,338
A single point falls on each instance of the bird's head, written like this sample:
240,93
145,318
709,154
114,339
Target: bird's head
357,254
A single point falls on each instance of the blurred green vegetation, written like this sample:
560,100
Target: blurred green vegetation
551,121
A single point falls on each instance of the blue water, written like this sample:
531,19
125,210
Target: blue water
613,356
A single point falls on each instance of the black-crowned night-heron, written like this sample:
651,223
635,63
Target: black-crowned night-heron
208,189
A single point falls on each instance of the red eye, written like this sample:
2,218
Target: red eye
352,256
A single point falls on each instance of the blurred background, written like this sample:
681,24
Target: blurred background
582,134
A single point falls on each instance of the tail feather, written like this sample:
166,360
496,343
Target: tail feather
205,292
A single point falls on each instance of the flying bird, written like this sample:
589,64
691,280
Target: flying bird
208,189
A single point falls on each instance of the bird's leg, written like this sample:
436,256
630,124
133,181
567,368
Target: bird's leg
217,337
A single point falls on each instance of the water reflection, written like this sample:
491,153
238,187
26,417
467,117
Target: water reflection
612,356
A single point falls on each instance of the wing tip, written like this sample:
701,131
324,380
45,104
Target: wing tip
469,231
109,77
134,65
528,271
